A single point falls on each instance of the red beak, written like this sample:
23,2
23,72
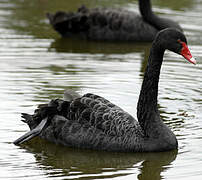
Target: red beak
186,53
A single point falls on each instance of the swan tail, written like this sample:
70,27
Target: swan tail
26,118
32,133
42,118
54,107
69,23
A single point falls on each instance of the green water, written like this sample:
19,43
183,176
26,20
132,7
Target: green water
37,65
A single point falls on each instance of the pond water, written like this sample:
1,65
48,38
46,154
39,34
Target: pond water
37,65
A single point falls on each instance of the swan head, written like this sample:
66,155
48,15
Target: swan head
175,41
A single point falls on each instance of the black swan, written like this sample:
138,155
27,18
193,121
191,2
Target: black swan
92,122
111,24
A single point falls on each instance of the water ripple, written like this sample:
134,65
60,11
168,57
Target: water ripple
35,66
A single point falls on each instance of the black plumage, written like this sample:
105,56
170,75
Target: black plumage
92,122
111,24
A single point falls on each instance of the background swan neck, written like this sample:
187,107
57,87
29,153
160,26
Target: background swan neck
146,11
145,8
147,111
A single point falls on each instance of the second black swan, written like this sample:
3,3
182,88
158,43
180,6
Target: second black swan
92,122
111,24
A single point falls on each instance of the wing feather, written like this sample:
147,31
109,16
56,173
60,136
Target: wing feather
101,114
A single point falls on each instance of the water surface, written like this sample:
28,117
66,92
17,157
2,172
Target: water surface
37,65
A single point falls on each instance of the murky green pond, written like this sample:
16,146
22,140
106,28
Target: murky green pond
37,65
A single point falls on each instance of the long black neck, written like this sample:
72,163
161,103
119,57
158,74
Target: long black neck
147,111
151,18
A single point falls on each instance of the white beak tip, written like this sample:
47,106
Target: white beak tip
193,60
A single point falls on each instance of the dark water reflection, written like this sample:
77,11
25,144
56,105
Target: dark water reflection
83,46
37,65
86,164
93,47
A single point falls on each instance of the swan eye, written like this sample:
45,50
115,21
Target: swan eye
182,41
